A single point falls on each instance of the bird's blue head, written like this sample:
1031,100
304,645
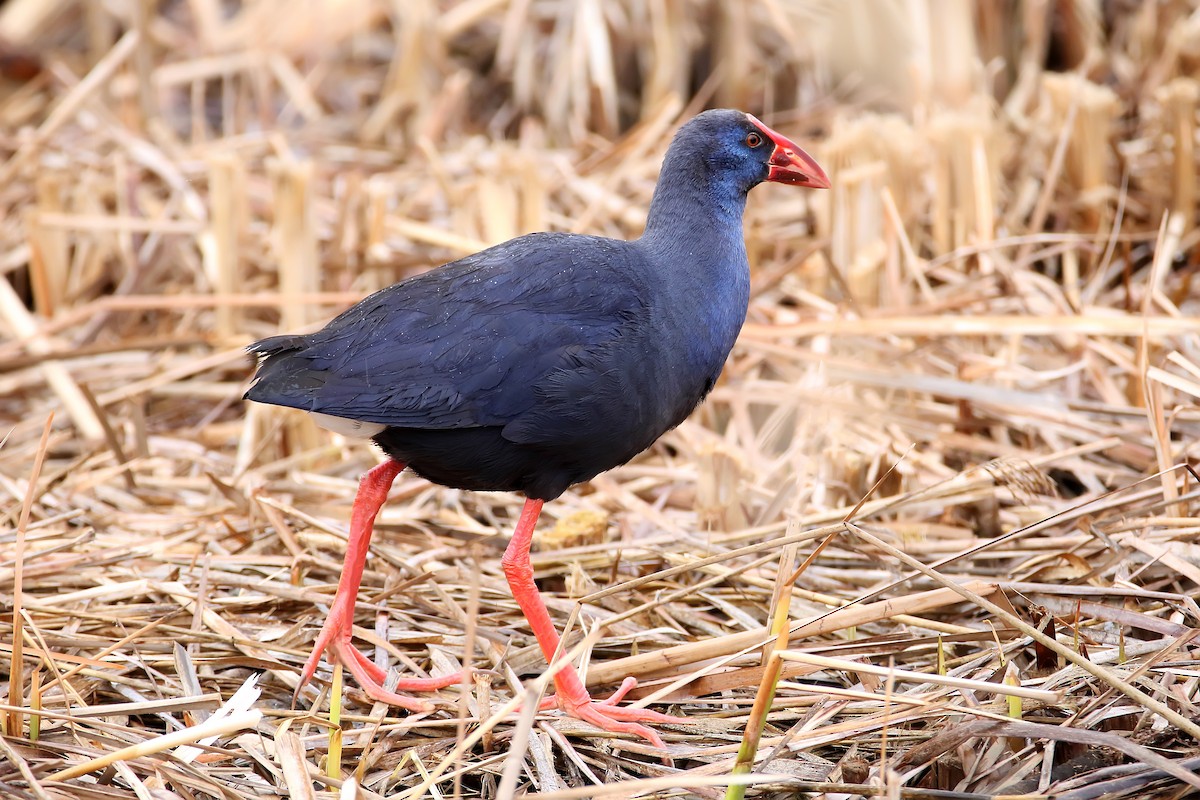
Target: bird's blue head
713,161
736,149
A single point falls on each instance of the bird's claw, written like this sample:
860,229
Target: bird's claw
335,639
607,715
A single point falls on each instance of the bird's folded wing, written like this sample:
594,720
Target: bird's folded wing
463,346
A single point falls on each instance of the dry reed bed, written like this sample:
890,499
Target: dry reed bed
969,376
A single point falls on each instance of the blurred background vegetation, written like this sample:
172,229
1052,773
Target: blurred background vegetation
987,329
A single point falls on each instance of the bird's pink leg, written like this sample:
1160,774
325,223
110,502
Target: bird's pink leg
570,693
335,633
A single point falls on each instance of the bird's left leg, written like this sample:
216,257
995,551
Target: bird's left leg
570,694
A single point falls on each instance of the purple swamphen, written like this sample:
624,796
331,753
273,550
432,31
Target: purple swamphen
537,364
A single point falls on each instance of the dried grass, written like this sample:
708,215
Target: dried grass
970,376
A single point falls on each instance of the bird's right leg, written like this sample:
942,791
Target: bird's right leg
336,632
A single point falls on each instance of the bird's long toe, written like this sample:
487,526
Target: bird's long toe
334,639
626,686
370,678
603,717
607,715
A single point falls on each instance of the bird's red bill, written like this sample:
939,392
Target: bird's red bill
789,163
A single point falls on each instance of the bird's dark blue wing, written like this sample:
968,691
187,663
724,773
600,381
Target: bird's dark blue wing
463,346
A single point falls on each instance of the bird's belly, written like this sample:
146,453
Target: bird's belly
482,460
557,444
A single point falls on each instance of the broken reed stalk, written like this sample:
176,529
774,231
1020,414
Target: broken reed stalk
1152,392
48,265
772,664
143,62
295,240
893,674
964,200
16,679
294,237
1179,99
220,242
854,615
409,80
1089,152
333,765
243,720
26,326
878,161
951,52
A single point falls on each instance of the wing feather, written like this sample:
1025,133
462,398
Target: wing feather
470,344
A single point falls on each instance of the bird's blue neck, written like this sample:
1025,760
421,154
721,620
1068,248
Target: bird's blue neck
694,238
691,208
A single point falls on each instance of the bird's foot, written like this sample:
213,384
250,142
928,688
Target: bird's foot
607,715
335,639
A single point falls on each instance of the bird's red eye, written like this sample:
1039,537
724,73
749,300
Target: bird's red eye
753,139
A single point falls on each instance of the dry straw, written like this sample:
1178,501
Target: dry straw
970,374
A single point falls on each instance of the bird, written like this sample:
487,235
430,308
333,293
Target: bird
537,364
